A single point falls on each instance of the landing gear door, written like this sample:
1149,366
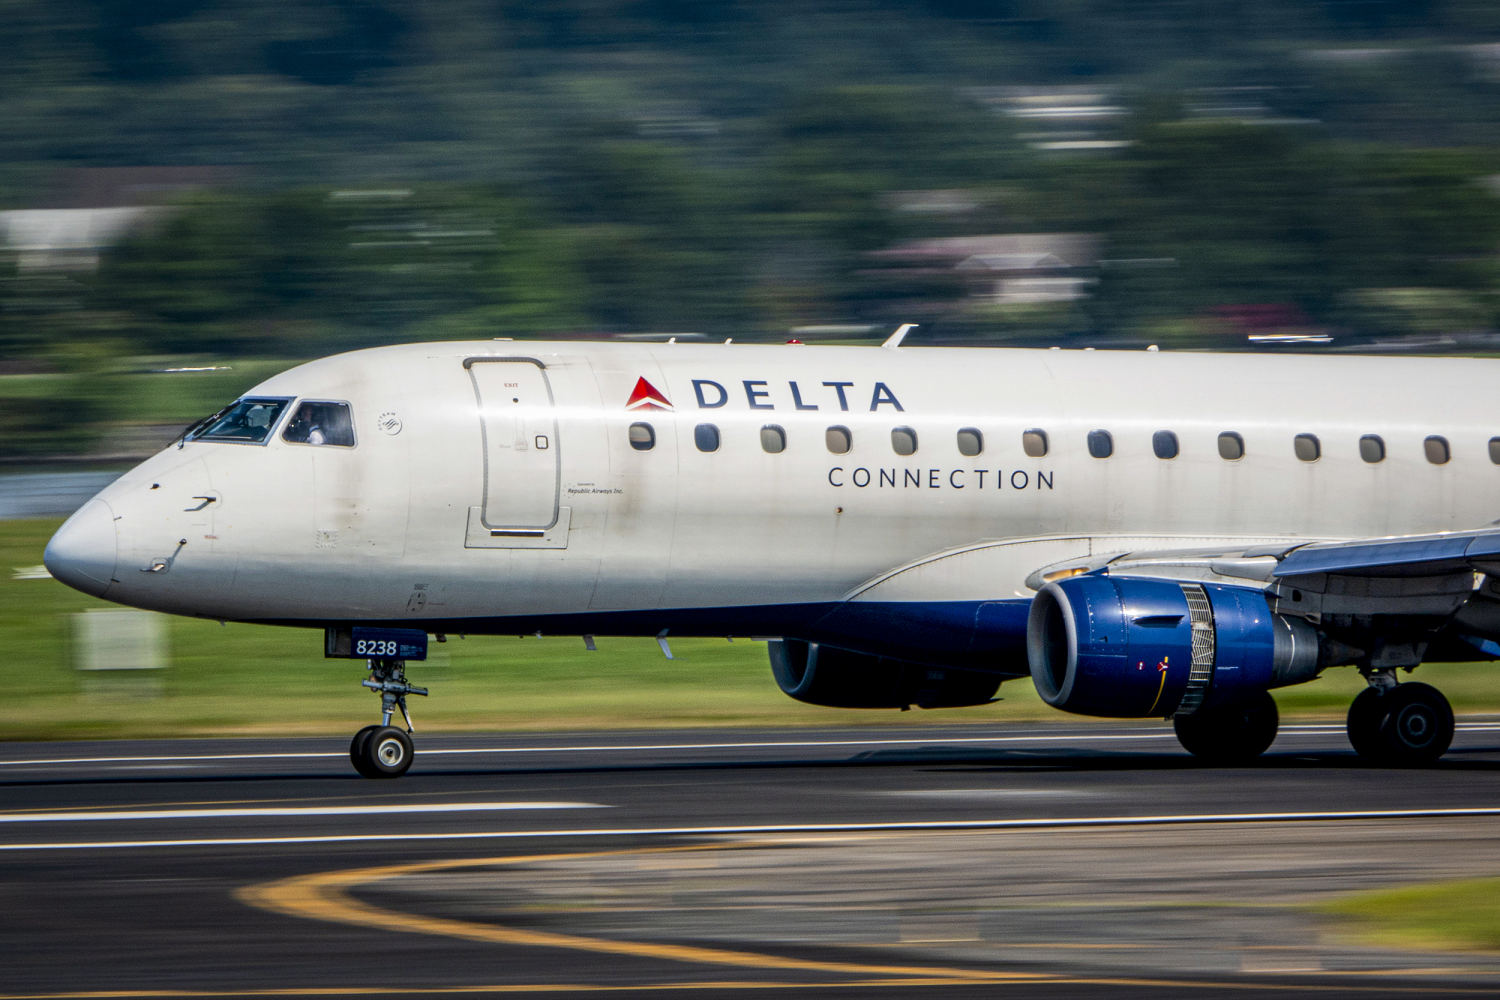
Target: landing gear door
522,459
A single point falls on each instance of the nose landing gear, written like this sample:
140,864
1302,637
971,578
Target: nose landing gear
383,751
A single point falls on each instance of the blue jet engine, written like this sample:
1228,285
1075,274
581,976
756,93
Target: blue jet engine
840,678
1136,648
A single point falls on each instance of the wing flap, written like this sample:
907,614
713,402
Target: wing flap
1406,556
1431,555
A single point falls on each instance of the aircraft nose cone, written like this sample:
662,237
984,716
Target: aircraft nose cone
82,554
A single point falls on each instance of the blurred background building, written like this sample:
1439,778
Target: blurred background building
94,208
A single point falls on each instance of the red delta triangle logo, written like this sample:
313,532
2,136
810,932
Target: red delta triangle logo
646,396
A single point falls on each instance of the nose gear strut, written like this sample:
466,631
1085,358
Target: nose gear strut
389,678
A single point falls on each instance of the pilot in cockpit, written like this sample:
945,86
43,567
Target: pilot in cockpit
303,429
320,423
297,428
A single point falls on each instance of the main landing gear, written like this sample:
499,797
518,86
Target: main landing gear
1400,724
1229,734
1390,724
383,751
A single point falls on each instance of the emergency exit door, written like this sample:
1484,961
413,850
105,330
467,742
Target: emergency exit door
522,466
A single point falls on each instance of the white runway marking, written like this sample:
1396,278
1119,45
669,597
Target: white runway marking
1080,822
48,761
610,748
1308,729
971,794
285,811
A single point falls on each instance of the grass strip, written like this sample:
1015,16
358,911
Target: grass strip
1442,916
245,679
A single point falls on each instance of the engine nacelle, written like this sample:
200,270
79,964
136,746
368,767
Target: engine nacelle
1134,648
839,678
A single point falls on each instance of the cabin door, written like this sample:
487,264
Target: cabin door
522,465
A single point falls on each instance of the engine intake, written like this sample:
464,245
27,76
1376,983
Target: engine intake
1135,648
840,678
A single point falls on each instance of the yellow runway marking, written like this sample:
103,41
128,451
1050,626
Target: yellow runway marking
326,896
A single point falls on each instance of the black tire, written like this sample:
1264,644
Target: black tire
1363,724
1230,734
1416,725
387,753
357,749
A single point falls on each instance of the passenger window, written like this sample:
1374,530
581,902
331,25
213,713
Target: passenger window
773,439
642,437
1436,449
970,442
1101,444
1495,450
706,437
839,440
1372,448
321,423
1034,443
1231,446
904,441
1164,444
1306,447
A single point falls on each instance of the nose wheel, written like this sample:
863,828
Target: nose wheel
381,752
384,751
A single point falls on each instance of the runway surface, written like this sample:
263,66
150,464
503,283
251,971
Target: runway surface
1034,861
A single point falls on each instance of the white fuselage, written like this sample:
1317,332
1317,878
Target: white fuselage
495,483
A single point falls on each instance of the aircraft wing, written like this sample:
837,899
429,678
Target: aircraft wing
1379,600
1390,600
1397,556
1155,625
1400,556
1447,578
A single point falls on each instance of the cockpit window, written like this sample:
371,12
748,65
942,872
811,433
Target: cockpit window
248,421
321,423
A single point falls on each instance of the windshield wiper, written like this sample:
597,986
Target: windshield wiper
194,428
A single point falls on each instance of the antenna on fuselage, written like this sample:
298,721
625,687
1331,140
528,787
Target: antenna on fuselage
894,340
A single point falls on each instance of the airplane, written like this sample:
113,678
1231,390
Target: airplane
1145,534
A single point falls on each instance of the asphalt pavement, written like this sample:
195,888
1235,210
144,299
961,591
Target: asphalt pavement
1028,861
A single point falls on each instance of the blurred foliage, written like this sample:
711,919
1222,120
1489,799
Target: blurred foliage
253,272
1413,312
477,168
